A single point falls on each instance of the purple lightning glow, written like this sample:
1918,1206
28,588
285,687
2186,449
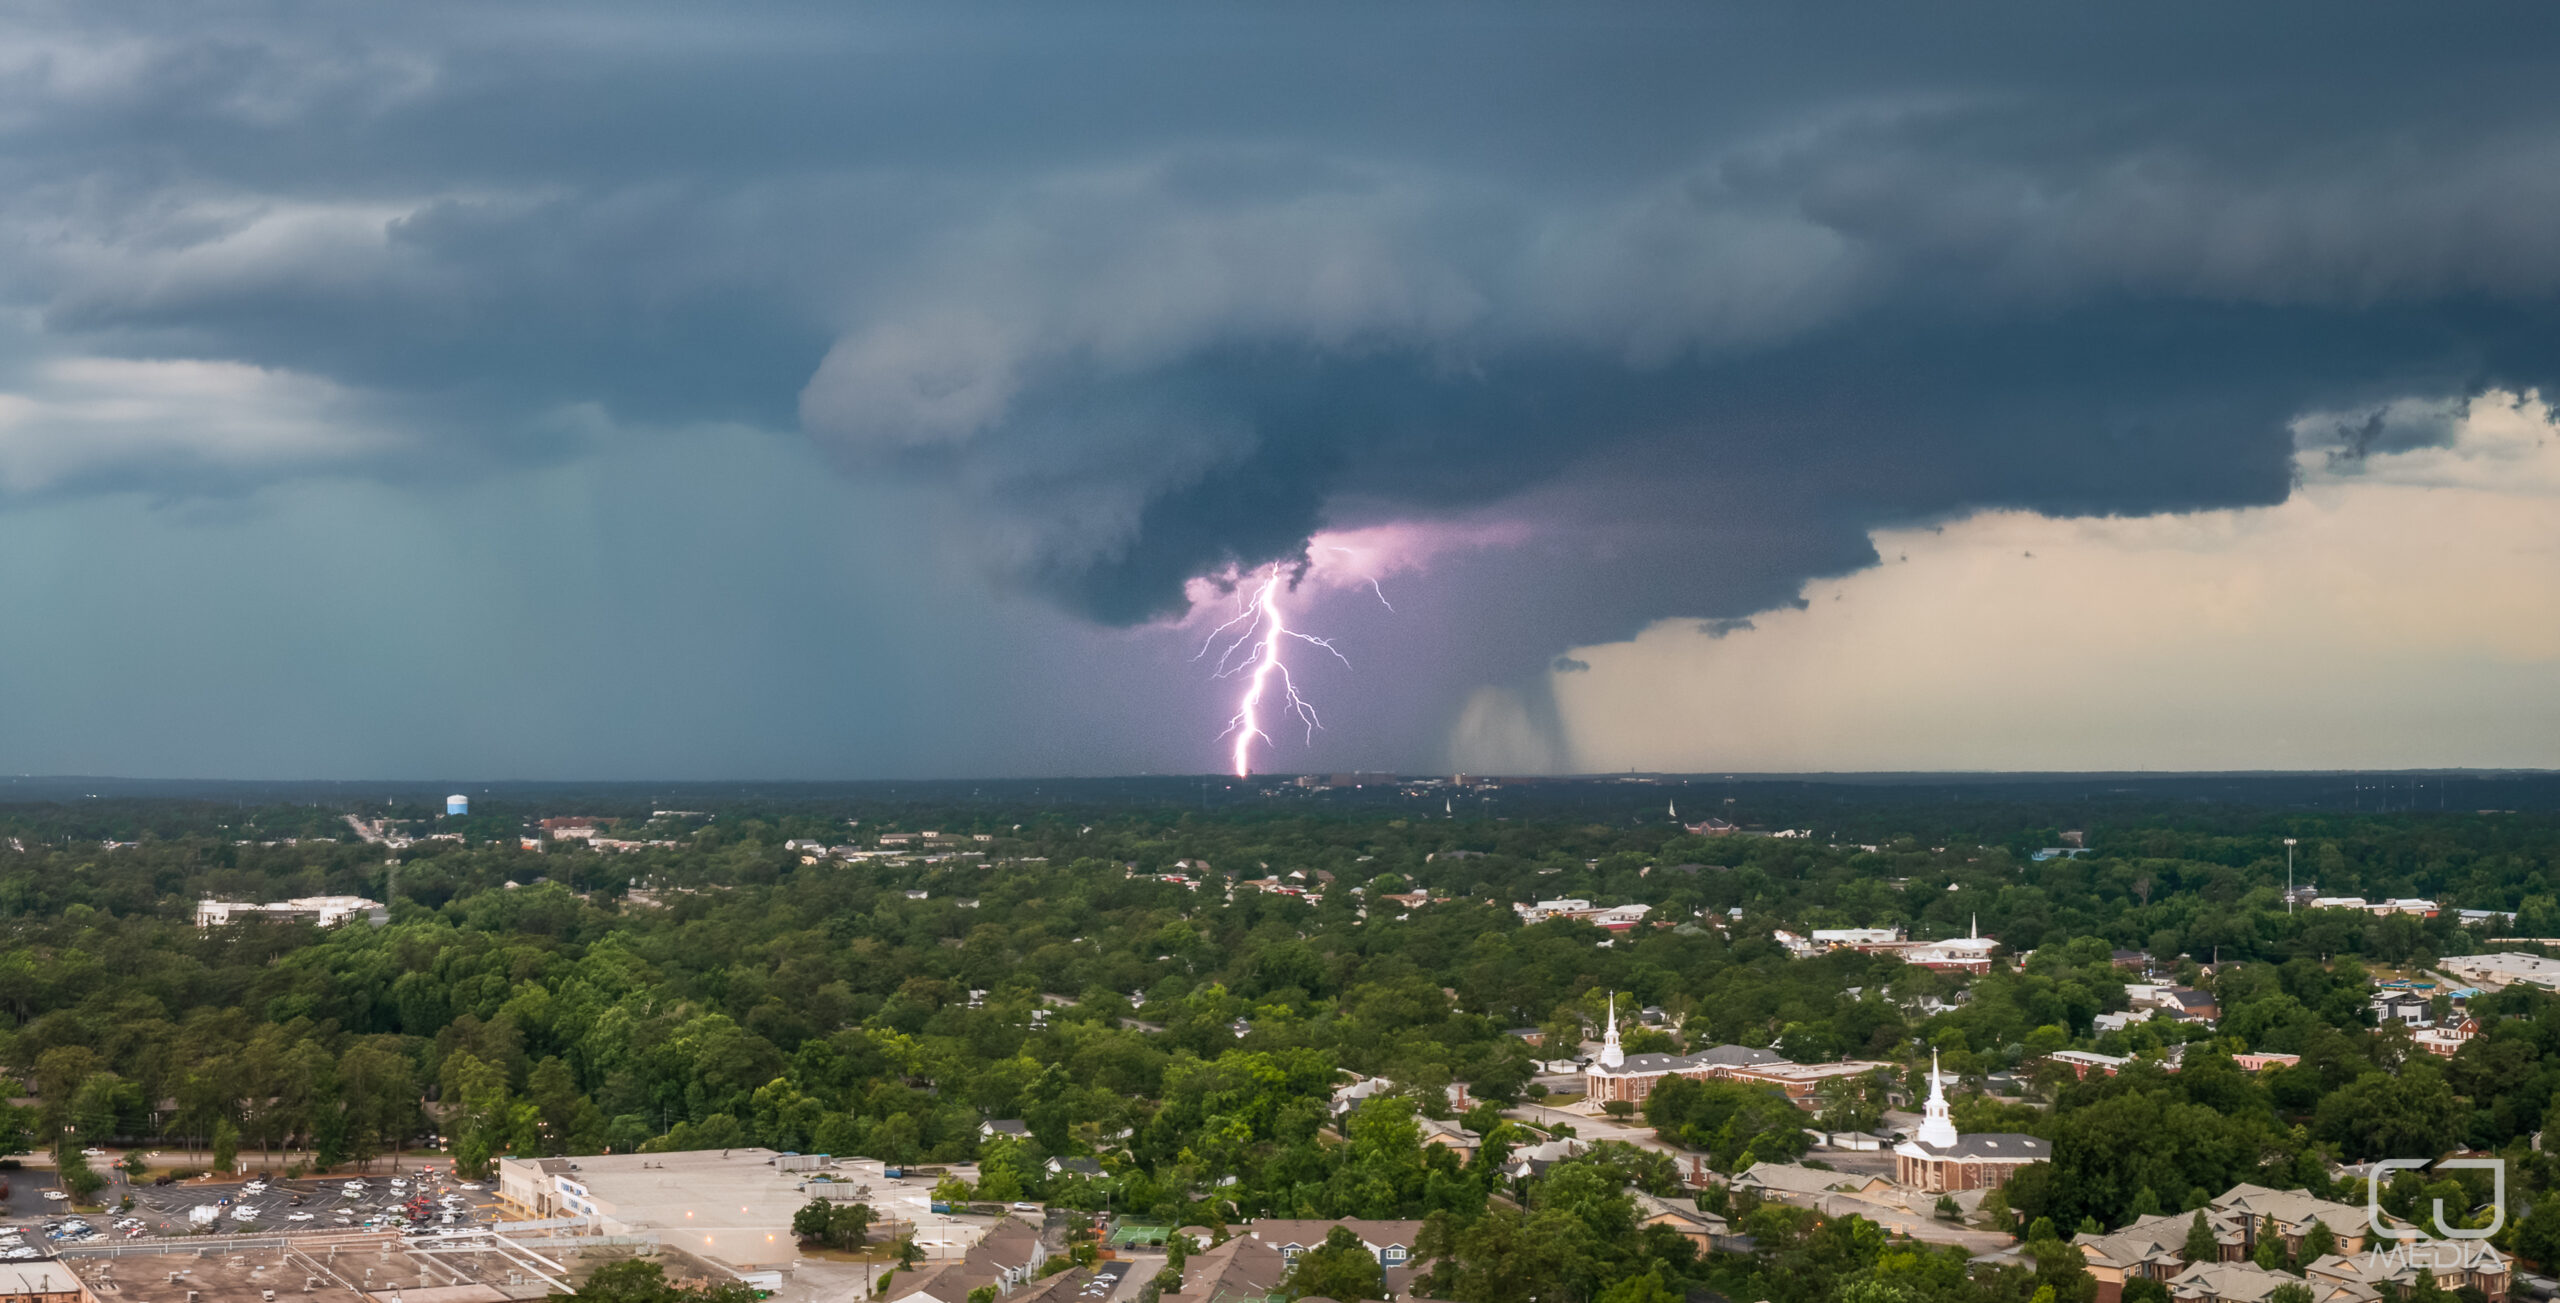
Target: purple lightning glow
1264,636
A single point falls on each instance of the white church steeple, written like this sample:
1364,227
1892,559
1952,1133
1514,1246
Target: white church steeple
1937,1118
1611,1056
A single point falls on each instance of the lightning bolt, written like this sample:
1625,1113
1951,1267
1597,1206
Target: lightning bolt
1254,651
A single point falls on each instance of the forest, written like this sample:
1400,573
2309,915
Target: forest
737,980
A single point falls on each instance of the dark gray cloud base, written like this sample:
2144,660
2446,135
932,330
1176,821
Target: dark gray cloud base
1702,293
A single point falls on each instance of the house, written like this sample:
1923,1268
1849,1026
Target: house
2150,1248
2262,1062
2116,1022
2188,1004
2400,1006
2183,1003
2154,1248
2294,1211
1074,1167
2084,1062
1694,1225
1534,1160
1805,1186
2135,961
1011,1128
2448,1040
2227,1282
2474,1264
1242,1270
1347,1098
1450,1136
1007,1259
1390,1242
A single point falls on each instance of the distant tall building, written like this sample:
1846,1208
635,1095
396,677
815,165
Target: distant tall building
457,804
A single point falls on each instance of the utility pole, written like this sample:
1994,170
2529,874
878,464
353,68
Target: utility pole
2288,875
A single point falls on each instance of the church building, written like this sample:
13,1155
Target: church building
1938,1160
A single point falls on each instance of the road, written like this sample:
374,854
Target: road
1586,1127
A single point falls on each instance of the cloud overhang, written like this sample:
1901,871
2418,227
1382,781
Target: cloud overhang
1643,312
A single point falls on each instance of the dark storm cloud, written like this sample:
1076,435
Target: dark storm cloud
1701,293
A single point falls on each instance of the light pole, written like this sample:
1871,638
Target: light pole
2288,875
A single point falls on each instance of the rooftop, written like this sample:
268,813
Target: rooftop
353,1269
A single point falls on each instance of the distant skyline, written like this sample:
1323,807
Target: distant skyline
643,391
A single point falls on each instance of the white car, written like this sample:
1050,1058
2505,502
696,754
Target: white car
55,1194
471,1185
297,1217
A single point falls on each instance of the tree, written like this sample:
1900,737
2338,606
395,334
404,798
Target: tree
2143,1289
2291,1292
226,1145
2201,1244
637,1281
78,1180
2317,1243
2537,1236
1649,1287
2270,1252
1948,1209
829,1224
812,1222
17,1131
1340,1268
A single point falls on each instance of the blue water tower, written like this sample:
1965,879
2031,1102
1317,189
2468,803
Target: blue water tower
457,804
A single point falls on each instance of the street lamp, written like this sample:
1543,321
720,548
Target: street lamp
2288,875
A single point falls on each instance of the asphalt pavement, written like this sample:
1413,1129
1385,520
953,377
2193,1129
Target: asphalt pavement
1108,1278
26,1194
311,1203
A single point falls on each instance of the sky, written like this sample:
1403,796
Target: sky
824,391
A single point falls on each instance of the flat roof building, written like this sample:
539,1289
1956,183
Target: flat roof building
731,1205
355,1268
327,911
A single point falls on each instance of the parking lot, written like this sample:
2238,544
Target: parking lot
1107,1279
336,1202
26,1194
